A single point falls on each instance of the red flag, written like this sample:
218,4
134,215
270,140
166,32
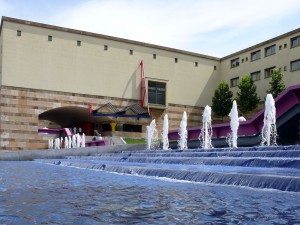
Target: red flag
90,108
143,90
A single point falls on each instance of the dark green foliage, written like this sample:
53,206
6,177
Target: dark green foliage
247,98
277,83
221,101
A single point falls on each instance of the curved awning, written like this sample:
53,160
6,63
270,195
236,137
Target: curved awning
70,116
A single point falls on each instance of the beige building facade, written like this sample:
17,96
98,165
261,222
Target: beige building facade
45,67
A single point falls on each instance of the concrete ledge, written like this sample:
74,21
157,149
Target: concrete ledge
27,155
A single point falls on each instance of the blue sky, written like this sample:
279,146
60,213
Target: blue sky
212,27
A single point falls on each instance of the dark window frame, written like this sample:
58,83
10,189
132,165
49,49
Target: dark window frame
270,50
78,43
297,63
257,55
235,62
234,81
295,41
269,71
256,74
50,38
19,33
157,93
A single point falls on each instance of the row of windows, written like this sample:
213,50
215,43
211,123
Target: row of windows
255,76
19,33
268,51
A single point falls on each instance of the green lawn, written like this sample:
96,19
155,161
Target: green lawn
135,140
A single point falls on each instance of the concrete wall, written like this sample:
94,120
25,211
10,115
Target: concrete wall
61,65
282,58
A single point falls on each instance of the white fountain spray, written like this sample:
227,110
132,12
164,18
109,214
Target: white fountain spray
83,140
206,131
152,137
234,125
66,142
182,142
269,132
165,133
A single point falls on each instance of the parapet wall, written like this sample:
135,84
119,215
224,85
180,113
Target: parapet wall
59,153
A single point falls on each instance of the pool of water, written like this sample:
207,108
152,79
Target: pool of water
36,193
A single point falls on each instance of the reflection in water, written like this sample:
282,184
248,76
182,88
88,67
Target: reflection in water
33,193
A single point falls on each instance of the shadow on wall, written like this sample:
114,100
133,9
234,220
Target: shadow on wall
205,97
132,81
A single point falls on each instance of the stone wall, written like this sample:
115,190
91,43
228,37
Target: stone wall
20,109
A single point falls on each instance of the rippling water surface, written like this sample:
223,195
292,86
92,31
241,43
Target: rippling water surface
35,193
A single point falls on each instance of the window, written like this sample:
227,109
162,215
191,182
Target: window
246,59
154,56
49,38
196,64
271,50
295,42
280,47
176,60
255,76
255,55
131,52
235,62
105,47
295,65
285,45
284,68
242,60
269,71
215,67
78,43
234,82
157,93
19,33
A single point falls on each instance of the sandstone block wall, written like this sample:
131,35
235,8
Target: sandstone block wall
20,109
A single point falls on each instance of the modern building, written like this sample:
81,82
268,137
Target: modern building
50,75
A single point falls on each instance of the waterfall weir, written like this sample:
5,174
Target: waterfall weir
274,167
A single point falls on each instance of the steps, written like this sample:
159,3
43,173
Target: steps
257,167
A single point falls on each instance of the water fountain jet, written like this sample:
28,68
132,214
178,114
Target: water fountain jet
269,131
206,131
182,142
165,133
152,139
234,125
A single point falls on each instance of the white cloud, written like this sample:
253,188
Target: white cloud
212,27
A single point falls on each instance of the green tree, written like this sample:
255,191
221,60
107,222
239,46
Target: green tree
247,98
222,100
277,83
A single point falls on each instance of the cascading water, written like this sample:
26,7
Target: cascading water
165,133
234,125
152,137
269,132
182,142
206,131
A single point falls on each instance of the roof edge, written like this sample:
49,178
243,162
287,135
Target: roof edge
261,44
91,34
